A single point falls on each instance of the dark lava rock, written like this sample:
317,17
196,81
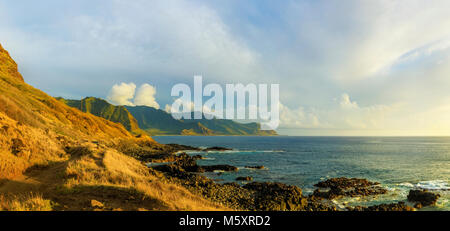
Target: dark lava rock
188,163
423,197
255,167
222,167
229,194
180,147
319,205
400,206
197,157
244,178
263,196
161,158
219,149
173,171
277,196
345,183
233,184
350,187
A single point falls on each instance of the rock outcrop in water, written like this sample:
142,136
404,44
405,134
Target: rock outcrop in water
400,206
345,183
180,147
347,187
189,164
244,178
217,149
423,198
220,167
255,167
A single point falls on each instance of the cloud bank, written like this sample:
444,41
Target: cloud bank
124,94
146,96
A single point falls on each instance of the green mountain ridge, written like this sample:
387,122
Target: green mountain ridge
158,122
102,108
149,119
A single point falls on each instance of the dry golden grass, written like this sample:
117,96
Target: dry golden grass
113,169
27,202
22,146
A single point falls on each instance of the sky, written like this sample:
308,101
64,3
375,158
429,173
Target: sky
347,67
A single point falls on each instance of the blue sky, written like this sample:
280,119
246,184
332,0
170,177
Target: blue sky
347,67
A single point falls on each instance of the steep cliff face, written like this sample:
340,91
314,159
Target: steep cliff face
8,66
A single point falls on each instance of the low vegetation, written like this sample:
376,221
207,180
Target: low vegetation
27,202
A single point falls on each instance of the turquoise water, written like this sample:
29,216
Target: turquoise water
398,163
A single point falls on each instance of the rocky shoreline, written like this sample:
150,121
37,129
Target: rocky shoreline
183,169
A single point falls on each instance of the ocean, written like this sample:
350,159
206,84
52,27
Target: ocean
398,163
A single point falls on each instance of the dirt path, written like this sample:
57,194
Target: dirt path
49,181
36,180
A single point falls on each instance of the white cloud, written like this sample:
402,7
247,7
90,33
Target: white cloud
346,102
159,35
122,94
298,118
168,108
146,96
344,114
357,39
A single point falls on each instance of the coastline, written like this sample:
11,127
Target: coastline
270,196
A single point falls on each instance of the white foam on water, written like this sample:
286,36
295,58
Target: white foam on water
254,169
390,189
430,185
407,184
434,185
192,152
339,205
208,158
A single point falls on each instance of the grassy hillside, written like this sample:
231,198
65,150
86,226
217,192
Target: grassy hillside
55,157
101,108
158,122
